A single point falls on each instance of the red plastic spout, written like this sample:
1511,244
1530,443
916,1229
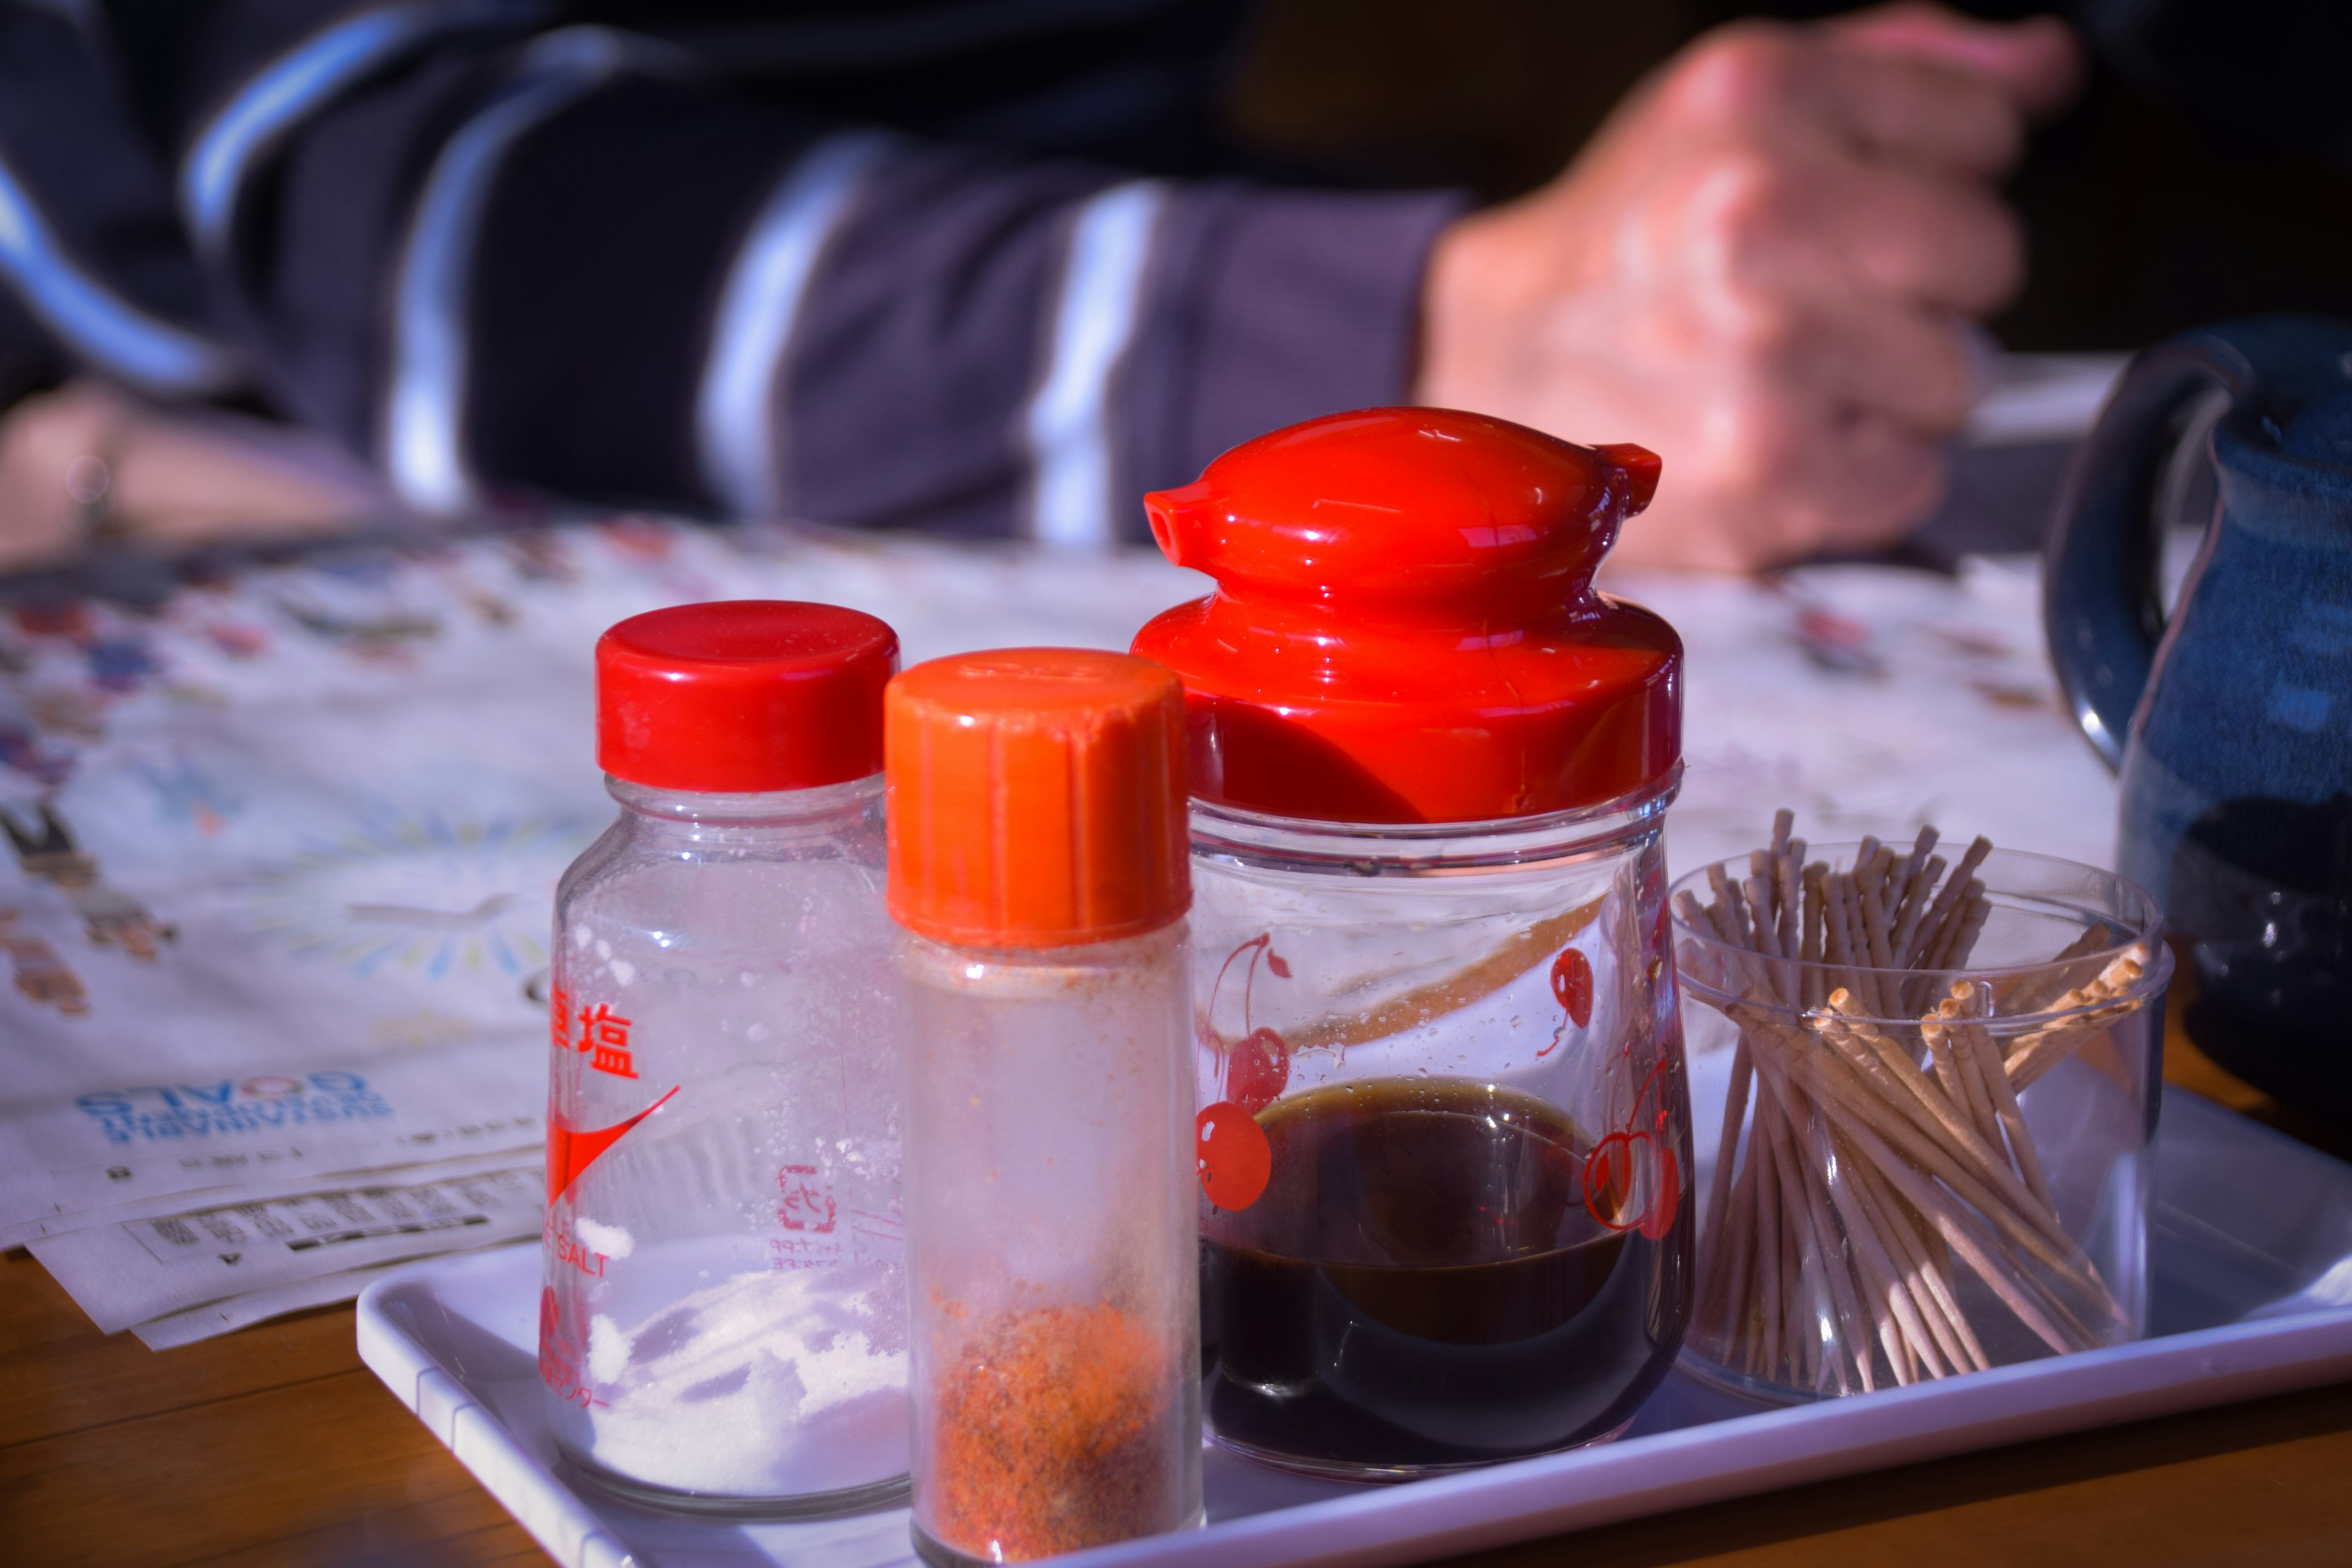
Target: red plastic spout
1406,508
1404,627
1641,468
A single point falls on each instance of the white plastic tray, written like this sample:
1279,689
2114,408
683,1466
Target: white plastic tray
2252,1252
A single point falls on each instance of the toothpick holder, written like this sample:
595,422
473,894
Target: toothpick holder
1930,1110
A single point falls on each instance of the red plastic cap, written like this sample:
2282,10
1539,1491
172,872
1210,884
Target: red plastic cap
1405,629
743,696
1421,506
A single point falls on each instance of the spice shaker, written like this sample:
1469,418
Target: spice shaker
1037,868
1443,1137
723,1327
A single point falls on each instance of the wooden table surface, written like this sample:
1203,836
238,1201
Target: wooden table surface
275,1446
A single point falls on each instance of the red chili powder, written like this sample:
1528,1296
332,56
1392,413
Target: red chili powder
1049,1437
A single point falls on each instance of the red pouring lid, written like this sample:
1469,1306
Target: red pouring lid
743,696
1404,627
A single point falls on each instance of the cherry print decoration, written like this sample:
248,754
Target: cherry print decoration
1571,984
1232,1154
1257,1070
1571,987
1632,1179
1229,1147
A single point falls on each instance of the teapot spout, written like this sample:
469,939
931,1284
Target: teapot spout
1175,514
1641,467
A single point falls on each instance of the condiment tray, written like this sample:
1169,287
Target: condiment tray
2252,1264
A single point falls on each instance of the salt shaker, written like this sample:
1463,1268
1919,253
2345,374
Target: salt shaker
724,1324
1443,1132
1037,866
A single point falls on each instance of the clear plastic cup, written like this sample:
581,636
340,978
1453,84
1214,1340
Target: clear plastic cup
1913,1174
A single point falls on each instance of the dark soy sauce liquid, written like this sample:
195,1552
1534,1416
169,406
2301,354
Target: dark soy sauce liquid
1423,1287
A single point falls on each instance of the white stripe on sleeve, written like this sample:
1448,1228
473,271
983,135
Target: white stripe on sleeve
280,96
1067,421
97,325
425,409
737,425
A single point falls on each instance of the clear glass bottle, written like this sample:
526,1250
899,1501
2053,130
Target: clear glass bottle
1445,1134
1037,864
723,1325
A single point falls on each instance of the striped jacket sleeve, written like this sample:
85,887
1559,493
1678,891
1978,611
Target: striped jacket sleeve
502,253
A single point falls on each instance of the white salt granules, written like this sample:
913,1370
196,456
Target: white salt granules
769,1383
611,1240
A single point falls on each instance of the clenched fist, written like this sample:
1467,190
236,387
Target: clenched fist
1761,268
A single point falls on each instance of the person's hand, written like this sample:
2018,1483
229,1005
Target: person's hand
86,461
1761,268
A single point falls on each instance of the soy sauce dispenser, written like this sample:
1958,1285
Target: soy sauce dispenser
1443,1137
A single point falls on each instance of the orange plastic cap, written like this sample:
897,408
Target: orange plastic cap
1036,797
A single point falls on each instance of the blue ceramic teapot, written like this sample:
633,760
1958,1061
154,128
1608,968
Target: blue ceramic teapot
2230,722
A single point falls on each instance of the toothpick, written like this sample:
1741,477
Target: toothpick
1954,887
1718,1205
1895,1312
1964,946
1877,1106
1940,1054
2033,992
1914,875
1791,912
1813,950
1881,1061
1930,1288
1977,1095
1757,892
1875,933
1923,1195
2037,1053
1982,1057
1827,1256
1917,893
1764,1352
1746,1223
1947,937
